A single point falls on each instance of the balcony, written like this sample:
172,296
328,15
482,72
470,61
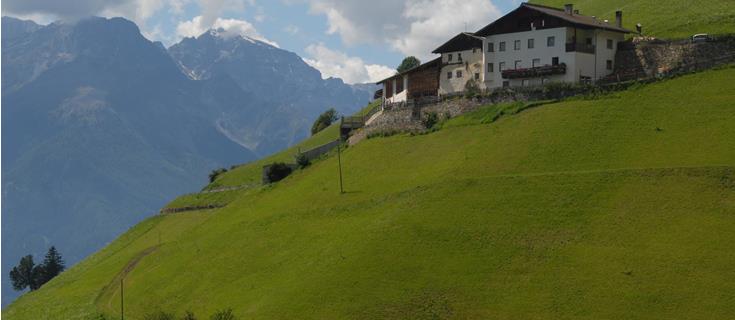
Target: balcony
542,71
581,47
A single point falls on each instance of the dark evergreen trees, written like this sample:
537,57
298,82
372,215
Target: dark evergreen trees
29,275
409,63
53,264
24,275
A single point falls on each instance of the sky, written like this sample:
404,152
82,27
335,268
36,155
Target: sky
357,40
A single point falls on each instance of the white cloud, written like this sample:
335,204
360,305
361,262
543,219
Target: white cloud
292,29
412,27
332,63
231,27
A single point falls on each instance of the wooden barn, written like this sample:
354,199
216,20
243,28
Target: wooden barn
421,81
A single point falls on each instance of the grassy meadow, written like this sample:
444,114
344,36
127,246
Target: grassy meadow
662,19
621,207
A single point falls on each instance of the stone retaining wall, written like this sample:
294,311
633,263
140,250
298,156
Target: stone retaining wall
648,58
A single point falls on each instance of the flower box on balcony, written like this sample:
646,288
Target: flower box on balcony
546,70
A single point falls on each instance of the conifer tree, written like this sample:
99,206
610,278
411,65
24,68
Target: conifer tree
53,264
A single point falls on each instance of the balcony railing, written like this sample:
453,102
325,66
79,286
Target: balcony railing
542,71
581,47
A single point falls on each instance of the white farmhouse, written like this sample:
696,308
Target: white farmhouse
530,46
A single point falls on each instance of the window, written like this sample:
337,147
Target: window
506,84
501,46
555,61
550,41
518,64
588,41
490,47
449,75
525,83
609,65
449,57
490,67
459,57
477,76
530,43
610,44
517,45
536,63
501,66
459,73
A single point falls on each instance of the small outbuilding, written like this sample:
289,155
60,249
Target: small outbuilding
417,82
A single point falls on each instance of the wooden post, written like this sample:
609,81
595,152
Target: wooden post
339,162
122,301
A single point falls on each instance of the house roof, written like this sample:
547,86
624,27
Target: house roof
576,19
423,66
462,41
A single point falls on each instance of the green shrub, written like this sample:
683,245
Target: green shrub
159,315
224,315
216,173
302,160
324,120
431,120
278,171
471,89
188,315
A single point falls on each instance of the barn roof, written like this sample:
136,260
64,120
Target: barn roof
574,18
462,41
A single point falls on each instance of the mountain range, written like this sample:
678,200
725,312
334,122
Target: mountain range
101,126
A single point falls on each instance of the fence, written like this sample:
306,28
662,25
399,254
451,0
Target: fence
310,154
317,152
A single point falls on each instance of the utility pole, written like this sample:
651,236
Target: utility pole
339,162
122,301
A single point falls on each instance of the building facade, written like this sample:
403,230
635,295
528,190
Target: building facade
536,44
530,46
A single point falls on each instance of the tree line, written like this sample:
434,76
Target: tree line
29,275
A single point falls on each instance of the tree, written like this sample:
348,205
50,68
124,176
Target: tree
28,275
53,264
277,172
324,120
302,160
216,173
409,63
24,275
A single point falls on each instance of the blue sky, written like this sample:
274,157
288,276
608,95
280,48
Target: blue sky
356,40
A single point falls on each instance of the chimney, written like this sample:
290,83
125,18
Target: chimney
619,19
639,28
569,9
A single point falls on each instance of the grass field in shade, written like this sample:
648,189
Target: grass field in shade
621,207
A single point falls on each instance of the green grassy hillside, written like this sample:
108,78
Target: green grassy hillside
664,19
616,208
